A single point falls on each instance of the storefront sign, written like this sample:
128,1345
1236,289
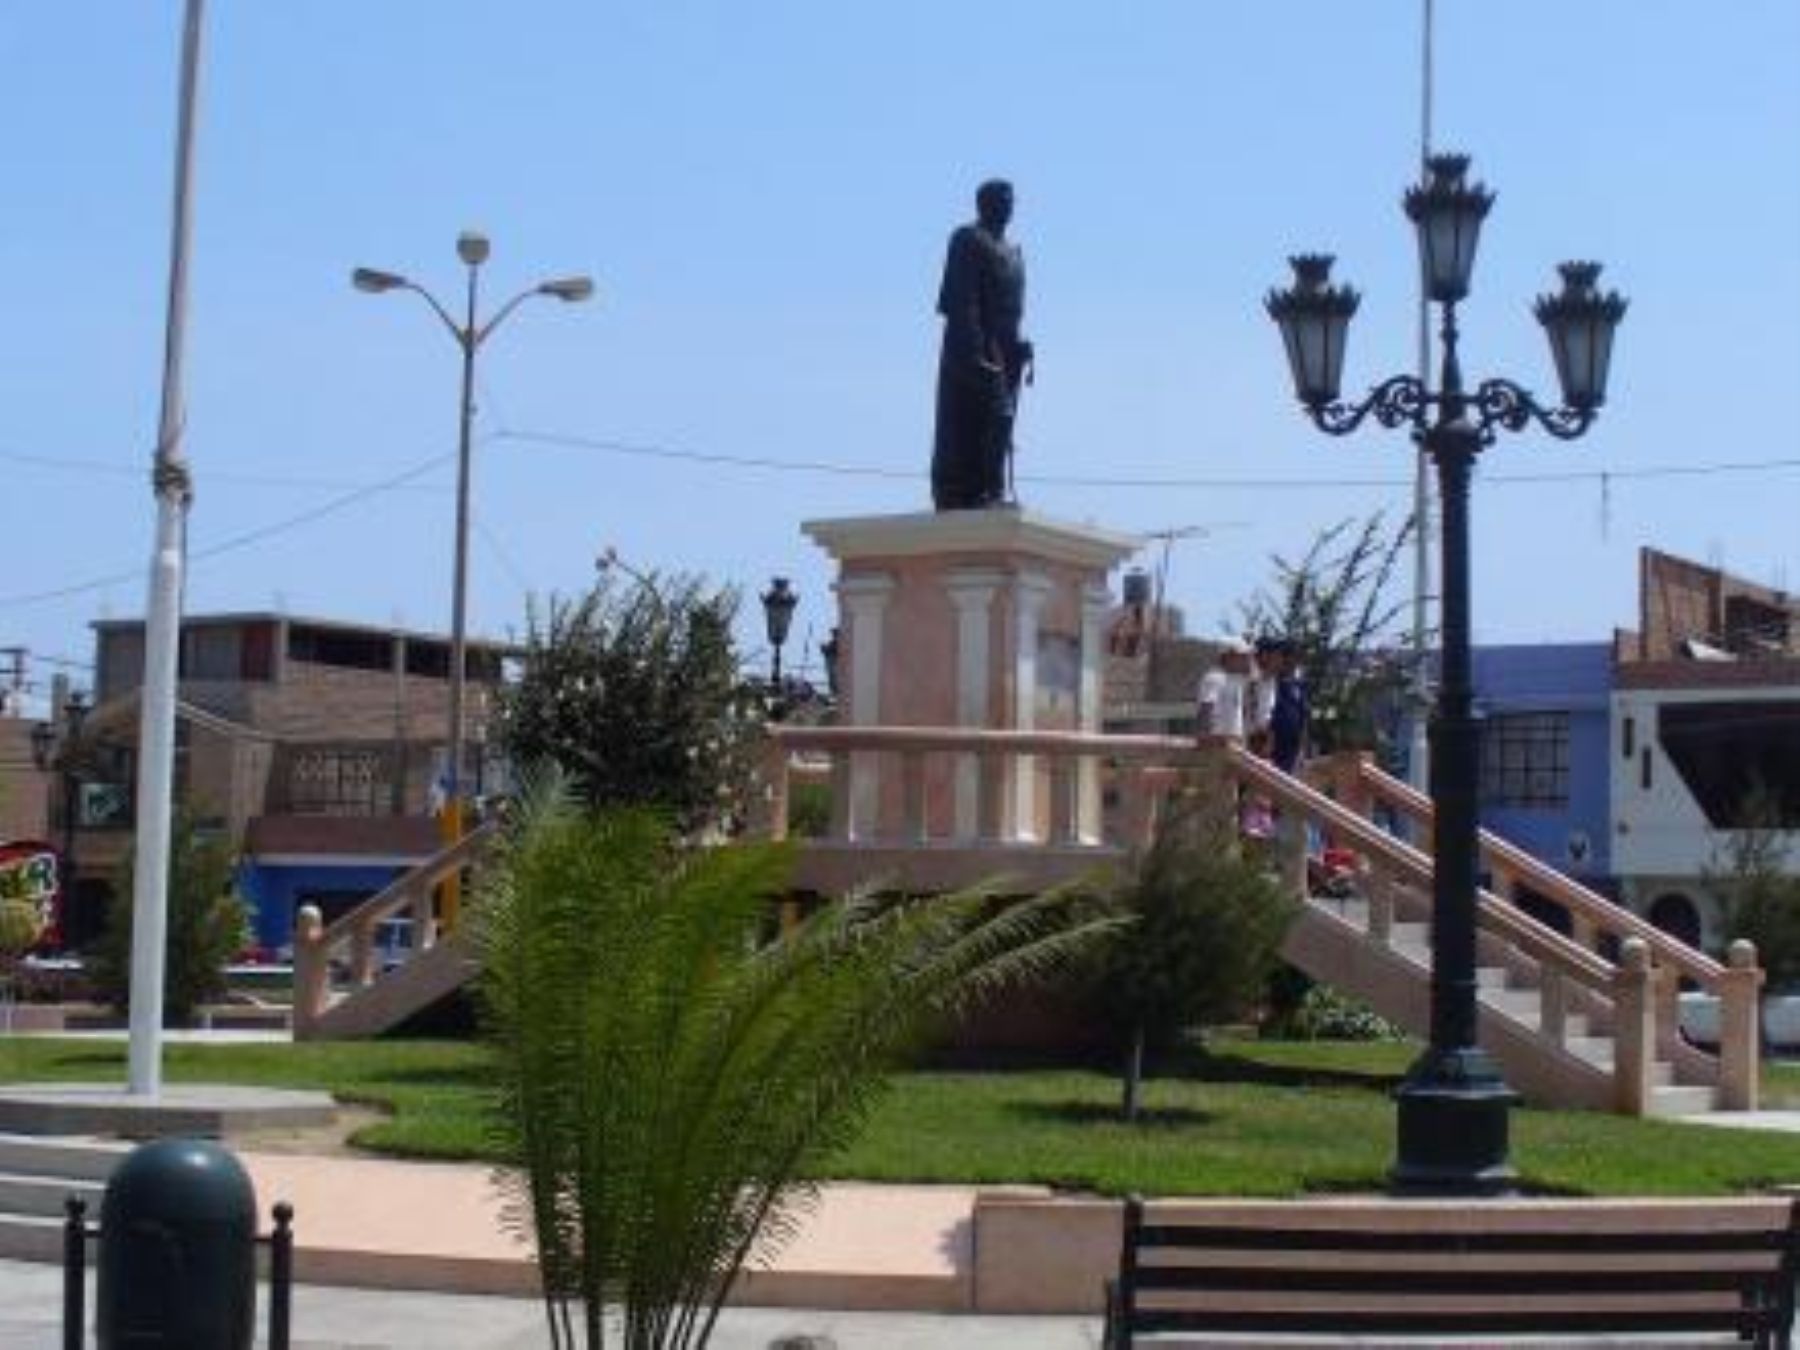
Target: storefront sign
31,870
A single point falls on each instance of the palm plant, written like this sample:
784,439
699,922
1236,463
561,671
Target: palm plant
668,1081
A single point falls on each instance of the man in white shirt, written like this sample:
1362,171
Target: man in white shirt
1220,706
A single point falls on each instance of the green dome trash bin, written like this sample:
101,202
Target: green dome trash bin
178,1250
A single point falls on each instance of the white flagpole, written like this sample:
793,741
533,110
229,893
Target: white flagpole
162,628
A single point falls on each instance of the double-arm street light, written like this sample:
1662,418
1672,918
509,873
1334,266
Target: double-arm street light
469,335
1453,1106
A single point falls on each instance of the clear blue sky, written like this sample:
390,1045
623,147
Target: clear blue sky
762,192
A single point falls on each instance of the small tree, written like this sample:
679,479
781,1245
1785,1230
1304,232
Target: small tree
666,1082
635,695
1761,897
1209,923
207,925
1334,606
21,925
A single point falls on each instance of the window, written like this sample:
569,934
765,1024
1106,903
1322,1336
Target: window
1525,760
349,649
328,782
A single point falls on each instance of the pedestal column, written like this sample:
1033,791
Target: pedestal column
972,592
1094,604
1030,591
864,598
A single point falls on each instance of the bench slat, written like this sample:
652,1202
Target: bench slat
1397,1240
1440,1322
1472,1281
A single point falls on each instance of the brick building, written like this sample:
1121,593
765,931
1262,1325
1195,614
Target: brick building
314,745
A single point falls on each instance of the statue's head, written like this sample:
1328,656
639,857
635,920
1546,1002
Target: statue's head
994,203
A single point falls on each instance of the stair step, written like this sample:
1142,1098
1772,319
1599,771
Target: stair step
31,1237
1683,1100
50,1156
1412,935
44,1196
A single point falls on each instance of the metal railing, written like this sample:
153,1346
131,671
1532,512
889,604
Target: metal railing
78,1233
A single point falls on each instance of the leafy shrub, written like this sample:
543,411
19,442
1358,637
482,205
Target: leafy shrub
1209,921
1324,1014
665,1080
207,926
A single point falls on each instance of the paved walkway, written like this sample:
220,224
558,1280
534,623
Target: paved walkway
362,1319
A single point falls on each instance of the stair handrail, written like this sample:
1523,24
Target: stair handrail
1369,839
315,943
1736,983
1607,916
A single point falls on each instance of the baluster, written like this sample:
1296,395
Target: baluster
1065,802
1291,843
1667,992
424,920
1581,931
1740,1032
362,953
1381,906
1553,1003
775,778
840,795
1634,1029
311,970
915,827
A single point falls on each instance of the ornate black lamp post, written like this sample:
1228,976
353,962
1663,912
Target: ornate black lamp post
1453,1106
778,613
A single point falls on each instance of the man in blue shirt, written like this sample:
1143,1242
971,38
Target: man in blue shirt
1290,712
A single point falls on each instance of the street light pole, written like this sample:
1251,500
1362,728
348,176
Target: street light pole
469,335
472,248
1454,1104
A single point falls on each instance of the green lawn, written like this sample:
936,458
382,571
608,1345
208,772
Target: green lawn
1254,1118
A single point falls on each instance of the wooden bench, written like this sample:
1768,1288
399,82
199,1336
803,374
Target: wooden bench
1440,1268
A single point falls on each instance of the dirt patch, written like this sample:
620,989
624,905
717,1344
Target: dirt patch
331,1140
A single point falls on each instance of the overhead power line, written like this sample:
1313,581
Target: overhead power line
606,446
247,538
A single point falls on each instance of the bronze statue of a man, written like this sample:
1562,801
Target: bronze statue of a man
983,360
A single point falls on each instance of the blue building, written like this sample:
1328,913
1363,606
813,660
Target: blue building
1545,758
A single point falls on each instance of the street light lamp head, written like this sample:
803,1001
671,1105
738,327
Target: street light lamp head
375,282
1314,317
569,289
472,247
778,609
1580,323
1447,212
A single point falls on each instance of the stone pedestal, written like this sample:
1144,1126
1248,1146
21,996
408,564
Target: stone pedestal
988,619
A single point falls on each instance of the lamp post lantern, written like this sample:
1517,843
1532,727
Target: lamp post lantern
472,248
1453,1107
778,613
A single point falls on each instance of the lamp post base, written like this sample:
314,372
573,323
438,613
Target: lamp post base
1453,1126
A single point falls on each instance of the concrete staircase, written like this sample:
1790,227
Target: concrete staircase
1583,1015
37,1175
